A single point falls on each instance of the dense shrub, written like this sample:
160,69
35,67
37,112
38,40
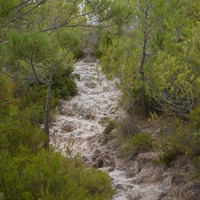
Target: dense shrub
139,143
49,176
128,127
16,130
32,103
179,138
33,96
64,87
168,150
130,141
27,170
194,117
15,127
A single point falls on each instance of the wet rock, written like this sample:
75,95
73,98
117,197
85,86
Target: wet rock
191,191
90,84
167,181
98,164
67,128
132,169
89,112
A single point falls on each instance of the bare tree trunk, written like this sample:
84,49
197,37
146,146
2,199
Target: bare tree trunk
142,63
47,111
142,89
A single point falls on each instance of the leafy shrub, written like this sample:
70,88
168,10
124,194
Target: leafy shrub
128,127
64,87
50,176
129,139
109,125
34,114
132,146
194,117
139,143
63,84
15,127
31,94
8,103
167,157
32,103
17,130
183,139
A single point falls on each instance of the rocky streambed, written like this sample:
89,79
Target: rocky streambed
78,129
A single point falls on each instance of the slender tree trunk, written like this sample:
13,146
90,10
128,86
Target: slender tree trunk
47,111
142,88
142,63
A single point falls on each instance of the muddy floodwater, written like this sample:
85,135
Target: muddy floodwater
78,128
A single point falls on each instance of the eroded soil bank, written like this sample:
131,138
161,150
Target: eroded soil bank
78,128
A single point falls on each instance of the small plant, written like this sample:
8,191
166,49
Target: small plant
128,127
63,84
139,143
110,126
130,140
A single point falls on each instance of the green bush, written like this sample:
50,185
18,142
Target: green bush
128,127
132,146
170,146
15,127
50,176
130,140
63,84
194,117
34,94
34,114
64,87
17,130
139,143
167,157
182,139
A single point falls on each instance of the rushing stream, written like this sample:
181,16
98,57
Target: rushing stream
80,117
77,129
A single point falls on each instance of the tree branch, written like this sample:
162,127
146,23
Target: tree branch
27,12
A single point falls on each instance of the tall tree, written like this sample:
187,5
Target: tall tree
174,76
131,57
149,17
37,48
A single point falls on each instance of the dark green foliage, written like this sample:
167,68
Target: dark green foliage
63,84
132,146
8,102
32,102
174,141
34,114
168,156
64,87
